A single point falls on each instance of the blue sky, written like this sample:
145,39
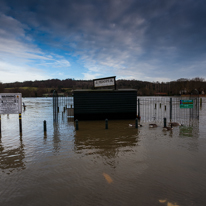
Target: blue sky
150,40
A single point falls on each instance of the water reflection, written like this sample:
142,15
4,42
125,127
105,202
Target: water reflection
191,130
93,139
12,159
56,139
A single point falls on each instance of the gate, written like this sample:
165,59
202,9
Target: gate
60,105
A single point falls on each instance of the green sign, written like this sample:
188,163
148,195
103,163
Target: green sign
185,104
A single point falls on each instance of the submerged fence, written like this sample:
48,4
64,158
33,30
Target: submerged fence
154,109
60,104
150,109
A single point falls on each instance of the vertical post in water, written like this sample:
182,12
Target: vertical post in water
44,125
136,123
106,123
138,110
170,109
20,123
165,122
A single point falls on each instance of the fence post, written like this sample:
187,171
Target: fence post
136,123
44,125
170,109
138,109
165,122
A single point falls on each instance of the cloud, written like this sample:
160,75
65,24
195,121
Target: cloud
14,73
130,39
89,76
20,58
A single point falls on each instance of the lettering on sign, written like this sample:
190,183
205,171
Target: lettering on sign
10,103
110,81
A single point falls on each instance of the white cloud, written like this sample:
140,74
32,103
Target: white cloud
12,73
89,76
128,39
20,58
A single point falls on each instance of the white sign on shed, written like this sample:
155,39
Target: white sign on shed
10,103
103,82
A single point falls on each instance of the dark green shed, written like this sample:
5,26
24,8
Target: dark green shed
102,104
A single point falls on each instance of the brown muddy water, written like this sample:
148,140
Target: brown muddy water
94,166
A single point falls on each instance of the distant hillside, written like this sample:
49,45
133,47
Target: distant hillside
39,88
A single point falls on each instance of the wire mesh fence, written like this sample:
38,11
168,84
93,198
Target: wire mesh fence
155,109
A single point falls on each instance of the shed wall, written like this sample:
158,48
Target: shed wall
102,105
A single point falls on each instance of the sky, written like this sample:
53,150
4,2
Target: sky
150,40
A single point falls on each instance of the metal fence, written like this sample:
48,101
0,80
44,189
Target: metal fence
154,109
150,109
60,104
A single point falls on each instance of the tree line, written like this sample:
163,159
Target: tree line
144,88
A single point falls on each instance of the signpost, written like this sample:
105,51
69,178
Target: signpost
11,103
105,82
186,104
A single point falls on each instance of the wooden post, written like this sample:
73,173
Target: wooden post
20,123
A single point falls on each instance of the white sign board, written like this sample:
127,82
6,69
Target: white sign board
104,82
10,103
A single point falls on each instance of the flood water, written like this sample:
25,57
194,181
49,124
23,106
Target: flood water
93,166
